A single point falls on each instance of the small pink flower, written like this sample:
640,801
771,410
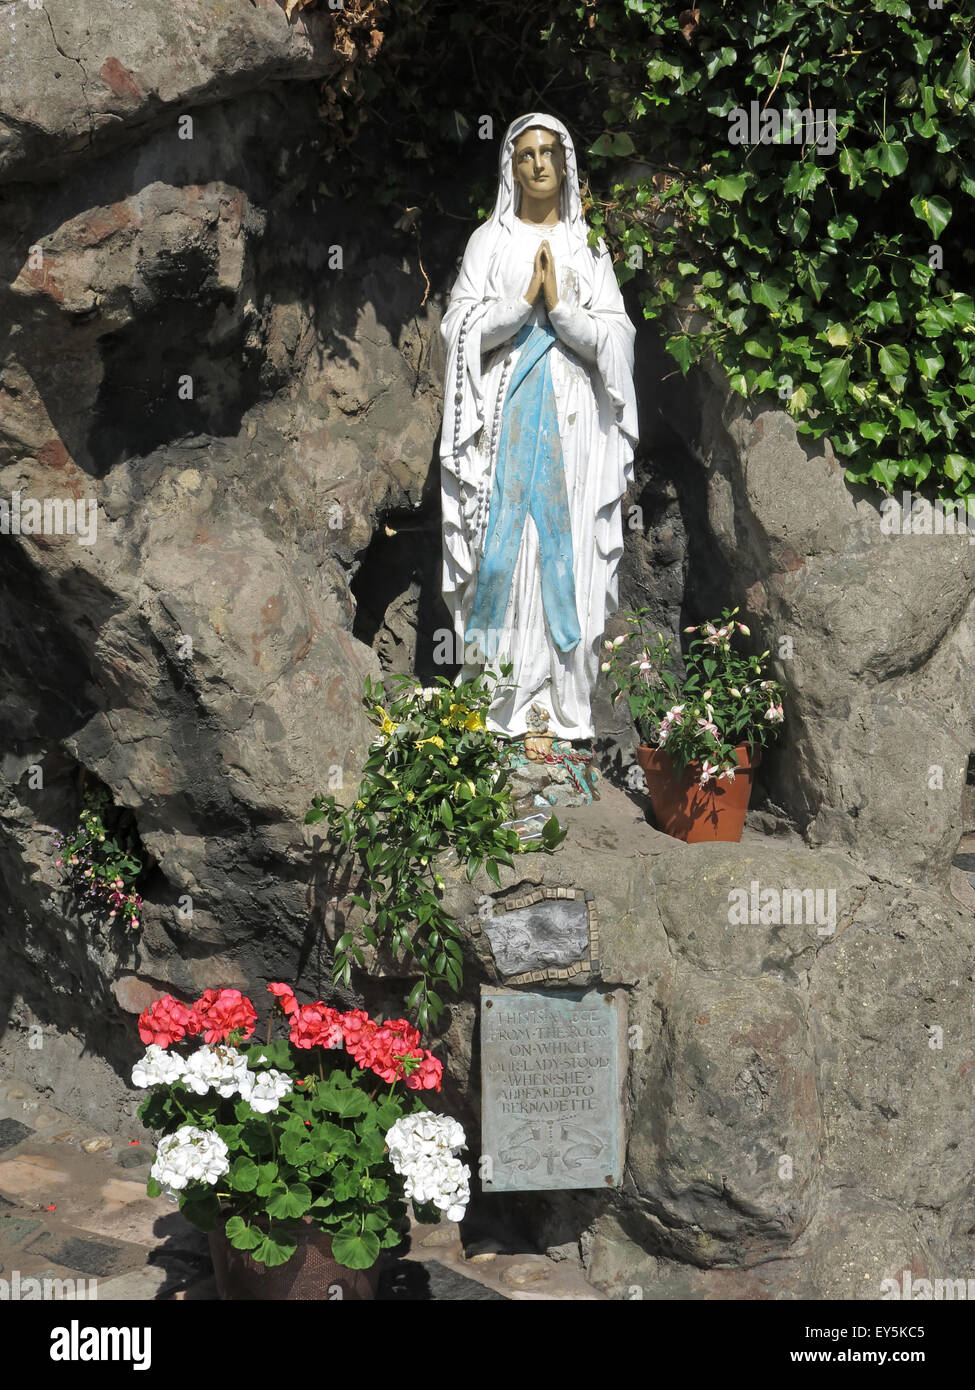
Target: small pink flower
708,770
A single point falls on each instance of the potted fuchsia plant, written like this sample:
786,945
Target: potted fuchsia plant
701,732
296,1155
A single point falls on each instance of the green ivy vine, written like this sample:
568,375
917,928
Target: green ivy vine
838,279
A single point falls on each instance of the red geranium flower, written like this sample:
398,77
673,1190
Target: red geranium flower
427,1076
316,1025
222,1012
285,996
165,1021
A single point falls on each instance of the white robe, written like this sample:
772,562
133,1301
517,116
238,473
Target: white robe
592,381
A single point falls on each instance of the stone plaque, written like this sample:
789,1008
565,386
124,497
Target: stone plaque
552,1075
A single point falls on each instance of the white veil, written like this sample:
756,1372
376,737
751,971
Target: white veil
508,202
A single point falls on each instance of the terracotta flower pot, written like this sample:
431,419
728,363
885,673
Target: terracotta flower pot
689,811
310,1275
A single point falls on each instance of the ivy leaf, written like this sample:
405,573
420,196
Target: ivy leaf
835,376
731,187
936,212
893,360
622,145
891,158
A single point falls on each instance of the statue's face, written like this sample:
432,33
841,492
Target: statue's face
538,163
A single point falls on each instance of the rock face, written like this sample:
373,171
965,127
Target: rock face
798,1114
245,383
871,633
242,385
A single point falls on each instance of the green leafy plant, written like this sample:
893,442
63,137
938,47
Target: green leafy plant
720,702
834,270
325,1126
102,866
836,281
433,781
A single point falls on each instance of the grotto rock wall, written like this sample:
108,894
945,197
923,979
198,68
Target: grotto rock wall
268,539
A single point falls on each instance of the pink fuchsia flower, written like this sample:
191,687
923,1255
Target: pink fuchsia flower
285,996
709,727
742,628
774,714
690,629
727,775
708,771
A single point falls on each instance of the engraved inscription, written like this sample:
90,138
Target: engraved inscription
550,1089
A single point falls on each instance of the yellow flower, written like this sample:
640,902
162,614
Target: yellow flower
453,760
458,713
410,796
474,721
387,726
436,740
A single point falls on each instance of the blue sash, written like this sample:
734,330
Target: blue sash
529,480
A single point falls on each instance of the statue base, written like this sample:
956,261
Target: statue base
561,776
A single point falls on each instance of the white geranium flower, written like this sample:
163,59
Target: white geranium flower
157,1068
221,1068
190,1155
421,1150
264,1091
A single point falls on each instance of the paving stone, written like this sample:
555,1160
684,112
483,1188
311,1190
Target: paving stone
14,1229
142,1284
63,1136
429,1280
446,1233
133,1158
13,1132
43,1117
85,1256
97,1145
525,1272
31,1175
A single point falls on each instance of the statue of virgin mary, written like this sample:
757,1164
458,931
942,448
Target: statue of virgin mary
538,436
